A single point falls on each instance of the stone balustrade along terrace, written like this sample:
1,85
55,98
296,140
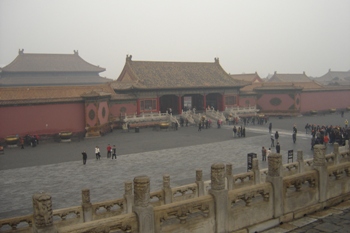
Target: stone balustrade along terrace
249,202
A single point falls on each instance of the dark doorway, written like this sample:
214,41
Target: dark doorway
214,100
169,101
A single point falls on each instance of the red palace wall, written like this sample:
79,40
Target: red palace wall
276,102
42,119
324,100
130,108
243,101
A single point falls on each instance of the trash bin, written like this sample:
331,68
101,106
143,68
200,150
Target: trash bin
137,130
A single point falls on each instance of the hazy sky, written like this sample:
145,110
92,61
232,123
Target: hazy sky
289,36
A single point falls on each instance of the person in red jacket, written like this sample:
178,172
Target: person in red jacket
109,151
325,140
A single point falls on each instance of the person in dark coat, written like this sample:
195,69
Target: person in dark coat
278,148
277,136
114,152
84,157
263,153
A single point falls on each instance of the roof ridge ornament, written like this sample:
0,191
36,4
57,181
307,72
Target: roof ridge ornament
216,59
76,52
20,51
128,57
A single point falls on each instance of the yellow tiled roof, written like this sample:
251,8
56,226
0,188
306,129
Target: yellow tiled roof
33,62
47,94
152,74
282,85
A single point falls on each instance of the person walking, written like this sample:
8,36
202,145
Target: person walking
325,140
114,152
346,123
109,151
97,153
277,135
270,127
84,157
272,141
268,152
278,148
199,126
294,137
263,153
234,131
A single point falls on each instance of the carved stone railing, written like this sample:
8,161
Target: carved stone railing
17,224
241,111
180,212
263,174
123,223
298,180
309,163
247,195
184,192
189,116
156,198
67,216
215,115
290,169
339,171
145,117
243,179
107,209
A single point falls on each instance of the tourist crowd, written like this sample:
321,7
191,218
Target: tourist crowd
322,134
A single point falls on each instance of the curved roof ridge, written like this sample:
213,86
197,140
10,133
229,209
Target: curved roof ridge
40,62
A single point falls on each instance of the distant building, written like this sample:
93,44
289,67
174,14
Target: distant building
251,78
29,69
48,93
335,78
276,77
178,85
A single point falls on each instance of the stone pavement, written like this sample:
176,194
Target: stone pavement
57,168
335,220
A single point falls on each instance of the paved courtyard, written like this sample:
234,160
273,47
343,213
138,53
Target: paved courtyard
57,168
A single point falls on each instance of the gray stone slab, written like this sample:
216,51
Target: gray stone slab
327,227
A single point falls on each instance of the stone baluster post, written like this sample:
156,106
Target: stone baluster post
256,170
336,153
129,198
300,160
86,205
42,214
142,208
167,193
220,195
274,176
200,182
229,177
320,165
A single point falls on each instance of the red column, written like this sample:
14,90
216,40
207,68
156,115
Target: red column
158,104
138,110
179,104
205,101
223,103
237,100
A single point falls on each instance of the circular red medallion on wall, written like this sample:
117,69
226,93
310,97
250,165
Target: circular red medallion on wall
91,119
103,112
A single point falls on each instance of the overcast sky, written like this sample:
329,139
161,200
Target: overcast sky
289,36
